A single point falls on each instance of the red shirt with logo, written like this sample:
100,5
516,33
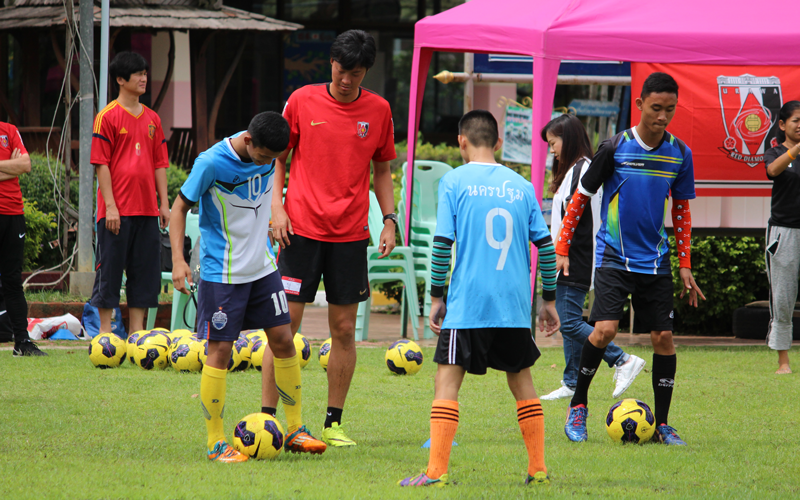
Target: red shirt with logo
334,142
133,147
10,194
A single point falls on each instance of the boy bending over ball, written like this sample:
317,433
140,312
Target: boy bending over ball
492,213
240,287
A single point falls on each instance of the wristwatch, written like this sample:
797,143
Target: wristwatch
391,217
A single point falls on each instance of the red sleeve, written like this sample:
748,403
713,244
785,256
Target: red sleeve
571,218
160,153
102,137
290,113
386,150
16,141
682,225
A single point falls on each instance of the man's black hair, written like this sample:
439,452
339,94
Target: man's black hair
479,127
269,130
659,82
125,64
354,48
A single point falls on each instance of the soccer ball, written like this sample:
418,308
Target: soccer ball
630,421
259,436
258,344
132,339
203,350
404,357
182,332
325,354
185,355
175,337
303,348
107,351
240,355
152,351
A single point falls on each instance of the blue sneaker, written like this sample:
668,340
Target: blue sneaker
575,428
666,435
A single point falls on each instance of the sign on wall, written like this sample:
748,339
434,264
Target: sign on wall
728,116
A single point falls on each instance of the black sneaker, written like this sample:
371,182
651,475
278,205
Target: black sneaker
27,348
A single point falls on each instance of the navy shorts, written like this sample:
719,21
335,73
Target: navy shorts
651,297
476,349
225,310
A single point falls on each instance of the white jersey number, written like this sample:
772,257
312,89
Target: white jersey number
254,187
504,245
279,299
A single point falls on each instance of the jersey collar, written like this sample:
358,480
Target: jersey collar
328,88
645,146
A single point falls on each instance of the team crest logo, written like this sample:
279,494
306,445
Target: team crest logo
138,149
749,106
362,129
219,319
151,130
4,141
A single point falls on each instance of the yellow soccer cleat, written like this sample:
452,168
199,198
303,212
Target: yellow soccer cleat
335,436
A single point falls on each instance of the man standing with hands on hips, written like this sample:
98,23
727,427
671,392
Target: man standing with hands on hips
338,128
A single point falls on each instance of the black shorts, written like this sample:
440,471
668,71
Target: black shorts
136,250
224,310
343,266
651,296
475,349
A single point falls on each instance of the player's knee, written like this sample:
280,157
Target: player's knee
604,333
343,330
281,342
662,339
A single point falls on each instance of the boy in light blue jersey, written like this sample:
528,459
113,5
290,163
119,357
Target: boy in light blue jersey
493,214
240,287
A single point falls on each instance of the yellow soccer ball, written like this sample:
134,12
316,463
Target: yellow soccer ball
404,357
303,348
240,355
258,345
185,355
259,436
630,421
152,351
131,343
107,351
324,354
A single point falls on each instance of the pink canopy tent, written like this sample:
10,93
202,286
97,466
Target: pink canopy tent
679,31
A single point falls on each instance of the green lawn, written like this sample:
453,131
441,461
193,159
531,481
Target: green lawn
72,431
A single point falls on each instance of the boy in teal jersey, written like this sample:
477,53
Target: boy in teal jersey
493,214
240,287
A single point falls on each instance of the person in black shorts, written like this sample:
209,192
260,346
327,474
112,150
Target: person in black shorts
487,317
639,169
783,232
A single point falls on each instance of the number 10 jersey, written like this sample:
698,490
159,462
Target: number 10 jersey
492,214
235,204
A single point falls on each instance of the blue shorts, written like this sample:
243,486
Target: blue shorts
224,310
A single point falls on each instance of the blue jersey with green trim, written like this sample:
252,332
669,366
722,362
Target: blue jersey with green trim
637,181
235,204
492,214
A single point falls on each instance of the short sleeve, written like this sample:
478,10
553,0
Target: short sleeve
446,213
683,187
200,179
16,141
102,137
770,156
386,151
290,113
601,168
160,153
538,233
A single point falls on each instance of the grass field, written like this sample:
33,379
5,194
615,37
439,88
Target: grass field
69,430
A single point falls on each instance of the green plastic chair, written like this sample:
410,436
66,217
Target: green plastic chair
398,266
179,300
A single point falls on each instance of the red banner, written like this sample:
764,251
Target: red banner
728,116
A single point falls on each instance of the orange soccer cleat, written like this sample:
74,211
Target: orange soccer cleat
225,453
301,441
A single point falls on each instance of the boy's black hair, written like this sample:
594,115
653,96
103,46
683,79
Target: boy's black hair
479,127
125,64
574,145
354,48
659,82
787,110
269,130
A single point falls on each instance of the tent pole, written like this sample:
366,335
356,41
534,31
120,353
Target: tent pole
419,72
469,82
448,77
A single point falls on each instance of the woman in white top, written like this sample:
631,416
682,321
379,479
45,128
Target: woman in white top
571,149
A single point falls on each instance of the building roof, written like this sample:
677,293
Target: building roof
154,14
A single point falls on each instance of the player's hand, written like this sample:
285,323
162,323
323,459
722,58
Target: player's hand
562,264
181,273
438,311
281,226
548,318
16,154
690,285
112,219
387,240
163,215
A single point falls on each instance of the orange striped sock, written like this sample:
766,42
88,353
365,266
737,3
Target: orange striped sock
444,423
531,423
